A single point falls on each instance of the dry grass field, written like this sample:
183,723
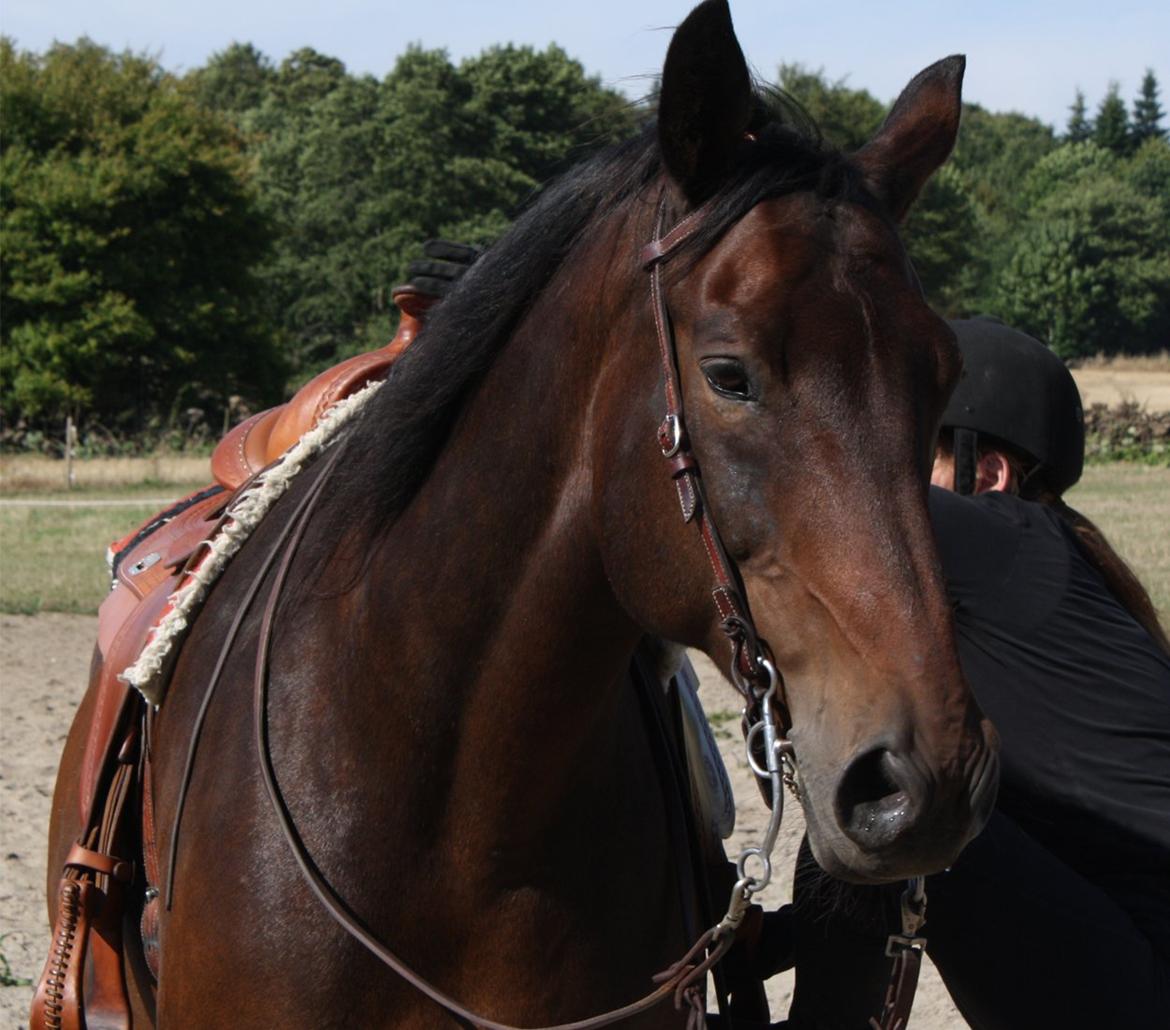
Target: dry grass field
1144,378
1131,504
159,474
52,544
53,539
53,536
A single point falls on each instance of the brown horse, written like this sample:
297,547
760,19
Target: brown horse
449,713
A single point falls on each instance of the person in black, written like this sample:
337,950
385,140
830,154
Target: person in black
1058,914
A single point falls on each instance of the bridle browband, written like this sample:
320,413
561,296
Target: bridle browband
753,673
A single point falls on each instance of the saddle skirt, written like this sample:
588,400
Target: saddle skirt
161,579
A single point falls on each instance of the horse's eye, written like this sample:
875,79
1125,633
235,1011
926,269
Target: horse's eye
728,378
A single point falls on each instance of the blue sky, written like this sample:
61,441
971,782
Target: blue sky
1025,56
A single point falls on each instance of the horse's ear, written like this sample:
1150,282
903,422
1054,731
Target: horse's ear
916,137
705,103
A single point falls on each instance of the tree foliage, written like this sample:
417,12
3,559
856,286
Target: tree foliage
1090,269
129,237
1147,112
1111,126
846,116
234,81
172,242
942,234
355,172
1079,127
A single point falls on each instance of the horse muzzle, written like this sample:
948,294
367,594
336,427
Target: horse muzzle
891,817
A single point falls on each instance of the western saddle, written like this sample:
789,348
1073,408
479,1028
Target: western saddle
82,986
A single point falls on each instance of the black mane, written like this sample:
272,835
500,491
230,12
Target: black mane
400,434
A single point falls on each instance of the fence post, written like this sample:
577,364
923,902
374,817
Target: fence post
70,444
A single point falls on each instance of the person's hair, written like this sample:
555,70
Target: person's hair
1121,581
1118,576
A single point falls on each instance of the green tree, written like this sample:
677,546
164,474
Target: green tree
1147,112
846,116
1071,165
1111,127
129,233
1079,127
315,162
233,81
356,173
1149,171
942,234
1090,269
994,153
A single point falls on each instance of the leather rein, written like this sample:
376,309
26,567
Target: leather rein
751,661
752,665
753,673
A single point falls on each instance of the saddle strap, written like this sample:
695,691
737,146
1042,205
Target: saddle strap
83,986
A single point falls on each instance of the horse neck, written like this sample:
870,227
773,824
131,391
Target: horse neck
486,609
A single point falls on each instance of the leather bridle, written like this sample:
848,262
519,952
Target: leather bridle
754,673
749,652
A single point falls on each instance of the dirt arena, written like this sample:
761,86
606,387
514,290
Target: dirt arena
43,665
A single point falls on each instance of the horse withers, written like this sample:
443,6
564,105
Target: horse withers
439,686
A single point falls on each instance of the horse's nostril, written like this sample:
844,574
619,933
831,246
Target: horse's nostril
874,802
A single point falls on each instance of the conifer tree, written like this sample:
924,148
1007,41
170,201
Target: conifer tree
1147,112
1079,127
1111,128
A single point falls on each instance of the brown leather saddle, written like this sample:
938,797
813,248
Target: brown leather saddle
261,439
82,986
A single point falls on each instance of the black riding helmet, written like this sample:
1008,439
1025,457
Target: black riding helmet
1016,392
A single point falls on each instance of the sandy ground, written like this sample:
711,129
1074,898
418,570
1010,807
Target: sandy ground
43,665
1112,386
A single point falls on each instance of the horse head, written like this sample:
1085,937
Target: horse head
814,375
